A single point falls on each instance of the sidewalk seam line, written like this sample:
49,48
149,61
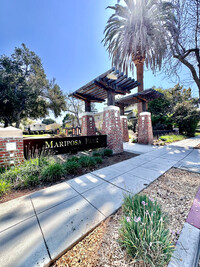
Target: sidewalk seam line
89,201
41,230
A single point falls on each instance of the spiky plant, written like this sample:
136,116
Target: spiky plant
136,33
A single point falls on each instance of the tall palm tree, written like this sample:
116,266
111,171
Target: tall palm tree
135,33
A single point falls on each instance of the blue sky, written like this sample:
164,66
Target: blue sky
67,36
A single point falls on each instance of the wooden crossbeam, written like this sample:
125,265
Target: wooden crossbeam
102,85
88,97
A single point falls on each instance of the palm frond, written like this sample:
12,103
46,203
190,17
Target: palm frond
138,29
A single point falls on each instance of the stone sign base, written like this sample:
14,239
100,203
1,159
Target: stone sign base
88,124
124,125
112,128
11,146
145,132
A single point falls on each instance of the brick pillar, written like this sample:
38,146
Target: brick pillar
11,146
88,124
112,128
124,125
145,132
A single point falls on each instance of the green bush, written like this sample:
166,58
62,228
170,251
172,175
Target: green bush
12,175
96,154
5,186
71,166
87,161
107,152
30,181
52,172
172,138
187,117
143,232
74,158
98,159
134,140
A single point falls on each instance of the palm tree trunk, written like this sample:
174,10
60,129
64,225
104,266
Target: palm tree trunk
139,63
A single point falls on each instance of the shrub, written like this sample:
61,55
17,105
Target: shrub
98,159
187,117
87,161
107,152
12,175
74,158
96,154
134,140
4,186
31,180
71,166
52,172
172,138
143,232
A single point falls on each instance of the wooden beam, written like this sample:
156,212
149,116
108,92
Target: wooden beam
121,111
89,97
144,106
90,83
111,97
102,85
141,98
87,106
131,86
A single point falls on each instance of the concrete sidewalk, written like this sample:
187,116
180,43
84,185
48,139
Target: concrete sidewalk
39,227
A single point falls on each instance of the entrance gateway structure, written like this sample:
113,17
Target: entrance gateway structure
106,86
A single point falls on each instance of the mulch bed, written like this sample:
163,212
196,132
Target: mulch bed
174,190
107,161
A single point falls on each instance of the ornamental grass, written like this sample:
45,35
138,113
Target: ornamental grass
144,232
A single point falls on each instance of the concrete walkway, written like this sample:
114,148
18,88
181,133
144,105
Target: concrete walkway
39,227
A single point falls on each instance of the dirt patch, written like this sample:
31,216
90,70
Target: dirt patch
107,161
175,191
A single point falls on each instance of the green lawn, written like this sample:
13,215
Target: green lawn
172,138
36,135
196,134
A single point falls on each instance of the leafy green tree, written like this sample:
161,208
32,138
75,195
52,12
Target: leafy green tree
160,111
24,90
69,118
163,109
187,117
136,33
48,121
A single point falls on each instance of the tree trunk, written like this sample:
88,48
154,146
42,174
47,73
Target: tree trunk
139,63
17,124
5,123
18,119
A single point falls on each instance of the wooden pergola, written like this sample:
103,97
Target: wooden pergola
144,97
105,86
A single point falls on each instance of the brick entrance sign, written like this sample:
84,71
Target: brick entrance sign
112,128
88,124
11,146
124,125
145,132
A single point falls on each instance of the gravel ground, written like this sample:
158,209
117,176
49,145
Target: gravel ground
174,190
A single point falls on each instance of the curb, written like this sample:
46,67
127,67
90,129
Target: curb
187,250
186,253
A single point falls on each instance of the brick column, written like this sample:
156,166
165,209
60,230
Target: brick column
112,128
145,132
11,146
88,124
124,125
